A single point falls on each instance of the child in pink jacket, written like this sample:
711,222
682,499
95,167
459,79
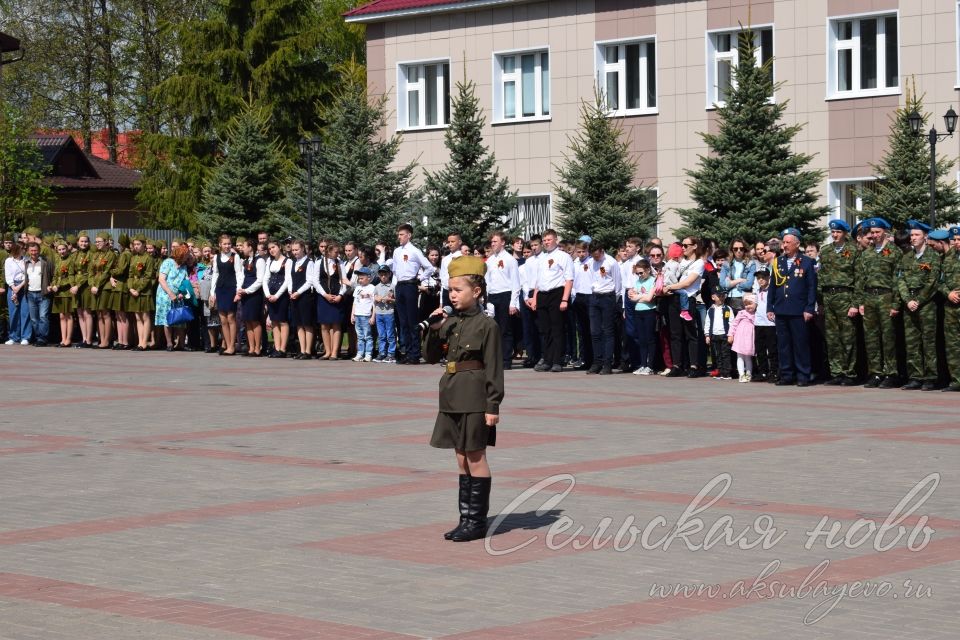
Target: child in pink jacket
741,337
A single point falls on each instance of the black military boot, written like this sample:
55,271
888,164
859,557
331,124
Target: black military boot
890,382
913,385
464,505
476,525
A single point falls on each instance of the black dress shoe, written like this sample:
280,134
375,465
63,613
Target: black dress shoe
170,349
140,349
913,385
873,382
890,382
694,373
803,383
834,382
848,382
951,387
784,383
929,386
594,369
606,371
675,372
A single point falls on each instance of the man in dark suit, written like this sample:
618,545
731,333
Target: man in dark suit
793,298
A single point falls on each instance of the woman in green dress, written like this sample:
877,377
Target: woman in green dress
140,288
64,302
81,292
98,279
119,295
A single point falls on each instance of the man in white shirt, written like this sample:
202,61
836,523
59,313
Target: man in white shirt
629,350
454,242
605,283
407,262
582,292
503,291
528,317
551,299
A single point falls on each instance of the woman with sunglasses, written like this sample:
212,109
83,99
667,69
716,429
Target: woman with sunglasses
736,275
686,336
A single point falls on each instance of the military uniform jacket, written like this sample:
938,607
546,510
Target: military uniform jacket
838,268
98,271
469,335
918,277
64,276
793,286
119,271
141,273
876,270
950,275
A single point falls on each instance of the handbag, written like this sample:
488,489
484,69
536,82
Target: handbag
179,313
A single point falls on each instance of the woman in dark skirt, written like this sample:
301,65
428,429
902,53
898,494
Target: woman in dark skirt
140,287
250,296
329,285
227,274
471,390
302,299
277,280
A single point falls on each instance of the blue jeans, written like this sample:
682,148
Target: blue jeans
364,339
39,306
18,316
387,343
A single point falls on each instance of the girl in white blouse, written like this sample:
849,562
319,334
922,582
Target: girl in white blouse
303,305
227,278
277,283
250,296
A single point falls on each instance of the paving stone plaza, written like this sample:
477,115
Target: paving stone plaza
182,496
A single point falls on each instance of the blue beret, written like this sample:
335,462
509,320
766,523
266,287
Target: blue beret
954,232
585,238
916,225
791,231
876,222
839,225
939,234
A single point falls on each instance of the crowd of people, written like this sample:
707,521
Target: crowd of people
876,307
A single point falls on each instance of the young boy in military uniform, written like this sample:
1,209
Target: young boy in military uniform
917,280
836,279
471,390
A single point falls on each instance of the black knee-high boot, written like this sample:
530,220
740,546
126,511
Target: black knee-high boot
476,525
464,505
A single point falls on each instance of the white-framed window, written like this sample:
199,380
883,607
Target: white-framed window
521,85
423,94
532,214
627,74
863,56
846,198
723,55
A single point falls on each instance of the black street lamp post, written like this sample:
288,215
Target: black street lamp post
308,149
950,121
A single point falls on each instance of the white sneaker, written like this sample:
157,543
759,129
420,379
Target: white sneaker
9,342
748,377
368,359
743,377
24,342
664,373
639,372
358,358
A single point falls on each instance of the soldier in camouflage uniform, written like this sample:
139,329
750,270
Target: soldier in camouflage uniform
950,288
875,296
835,281
917,280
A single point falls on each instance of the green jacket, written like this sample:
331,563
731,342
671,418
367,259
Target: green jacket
838,268
469,335
141,278
876,270
918,277
98,270
950,274
64,276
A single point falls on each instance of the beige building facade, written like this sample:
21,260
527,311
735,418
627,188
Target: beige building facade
663,65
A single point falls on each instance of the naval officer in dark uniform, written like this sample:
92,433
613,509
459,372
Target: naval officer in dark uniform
793,299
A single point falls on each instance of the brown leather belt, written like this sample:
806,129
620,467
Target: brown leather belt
464,365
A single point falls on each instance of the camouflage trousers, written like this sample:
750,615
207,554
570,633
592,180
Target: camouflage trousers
879,335
920,335
841,334
951,334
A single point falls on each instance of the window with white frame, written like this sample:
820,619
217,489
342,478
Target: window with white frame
864,56
531,214
627,73
424,95
846,198
723,55
521,86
